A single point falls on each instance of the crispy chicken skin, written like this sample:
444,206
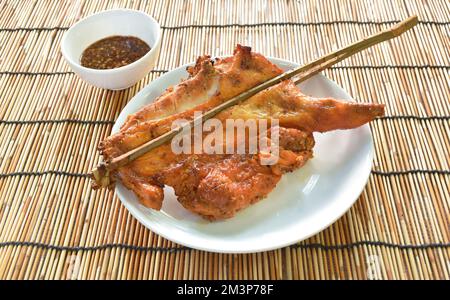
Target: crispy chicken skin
216,186
236,180
209,84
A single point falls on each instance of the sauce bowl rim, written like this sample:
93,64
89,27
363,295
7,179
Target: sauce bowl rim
72,61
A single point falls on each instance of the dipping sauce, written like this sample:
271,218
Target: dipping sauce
113,52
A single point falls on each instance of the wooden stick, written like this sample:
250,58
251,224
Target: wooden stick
102,172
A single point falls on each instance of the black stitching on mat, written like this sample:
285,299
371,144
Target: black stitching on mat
181,248
106,122
370,243
91,248
59,121
34,29
87,175
42,173
243,25
54,73
297,24
419,67
408,172
35,73
417,118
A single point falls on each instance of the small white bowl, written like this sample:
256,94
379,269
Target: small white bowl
105,24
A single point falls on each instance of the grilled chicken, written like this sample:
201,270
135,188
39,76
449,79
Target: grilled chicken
216,186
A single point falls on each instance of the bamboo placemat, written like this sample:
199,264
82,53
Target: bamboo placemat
53,226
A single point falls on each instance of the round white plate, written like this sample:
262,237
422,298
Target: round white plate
303,203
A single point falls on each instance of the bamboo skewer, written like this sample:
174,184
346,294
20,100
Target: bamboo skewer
101,174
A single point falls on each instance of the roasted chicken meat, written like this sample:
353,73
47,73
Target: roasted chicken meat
216,186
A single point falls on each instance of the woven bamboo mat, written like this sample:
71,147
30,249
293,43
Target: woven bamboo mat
53,226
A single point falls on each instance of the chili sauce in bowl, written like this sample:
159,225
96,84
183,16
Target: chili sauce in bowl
112,49
113,52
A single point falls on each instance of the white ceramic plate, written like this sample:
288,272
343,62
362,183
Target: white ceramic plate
303,203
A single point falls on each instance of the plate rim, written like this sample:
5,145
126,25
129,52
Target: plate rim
288,241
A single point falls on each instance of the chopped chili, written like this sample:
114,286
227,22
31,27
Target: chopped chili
114,52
